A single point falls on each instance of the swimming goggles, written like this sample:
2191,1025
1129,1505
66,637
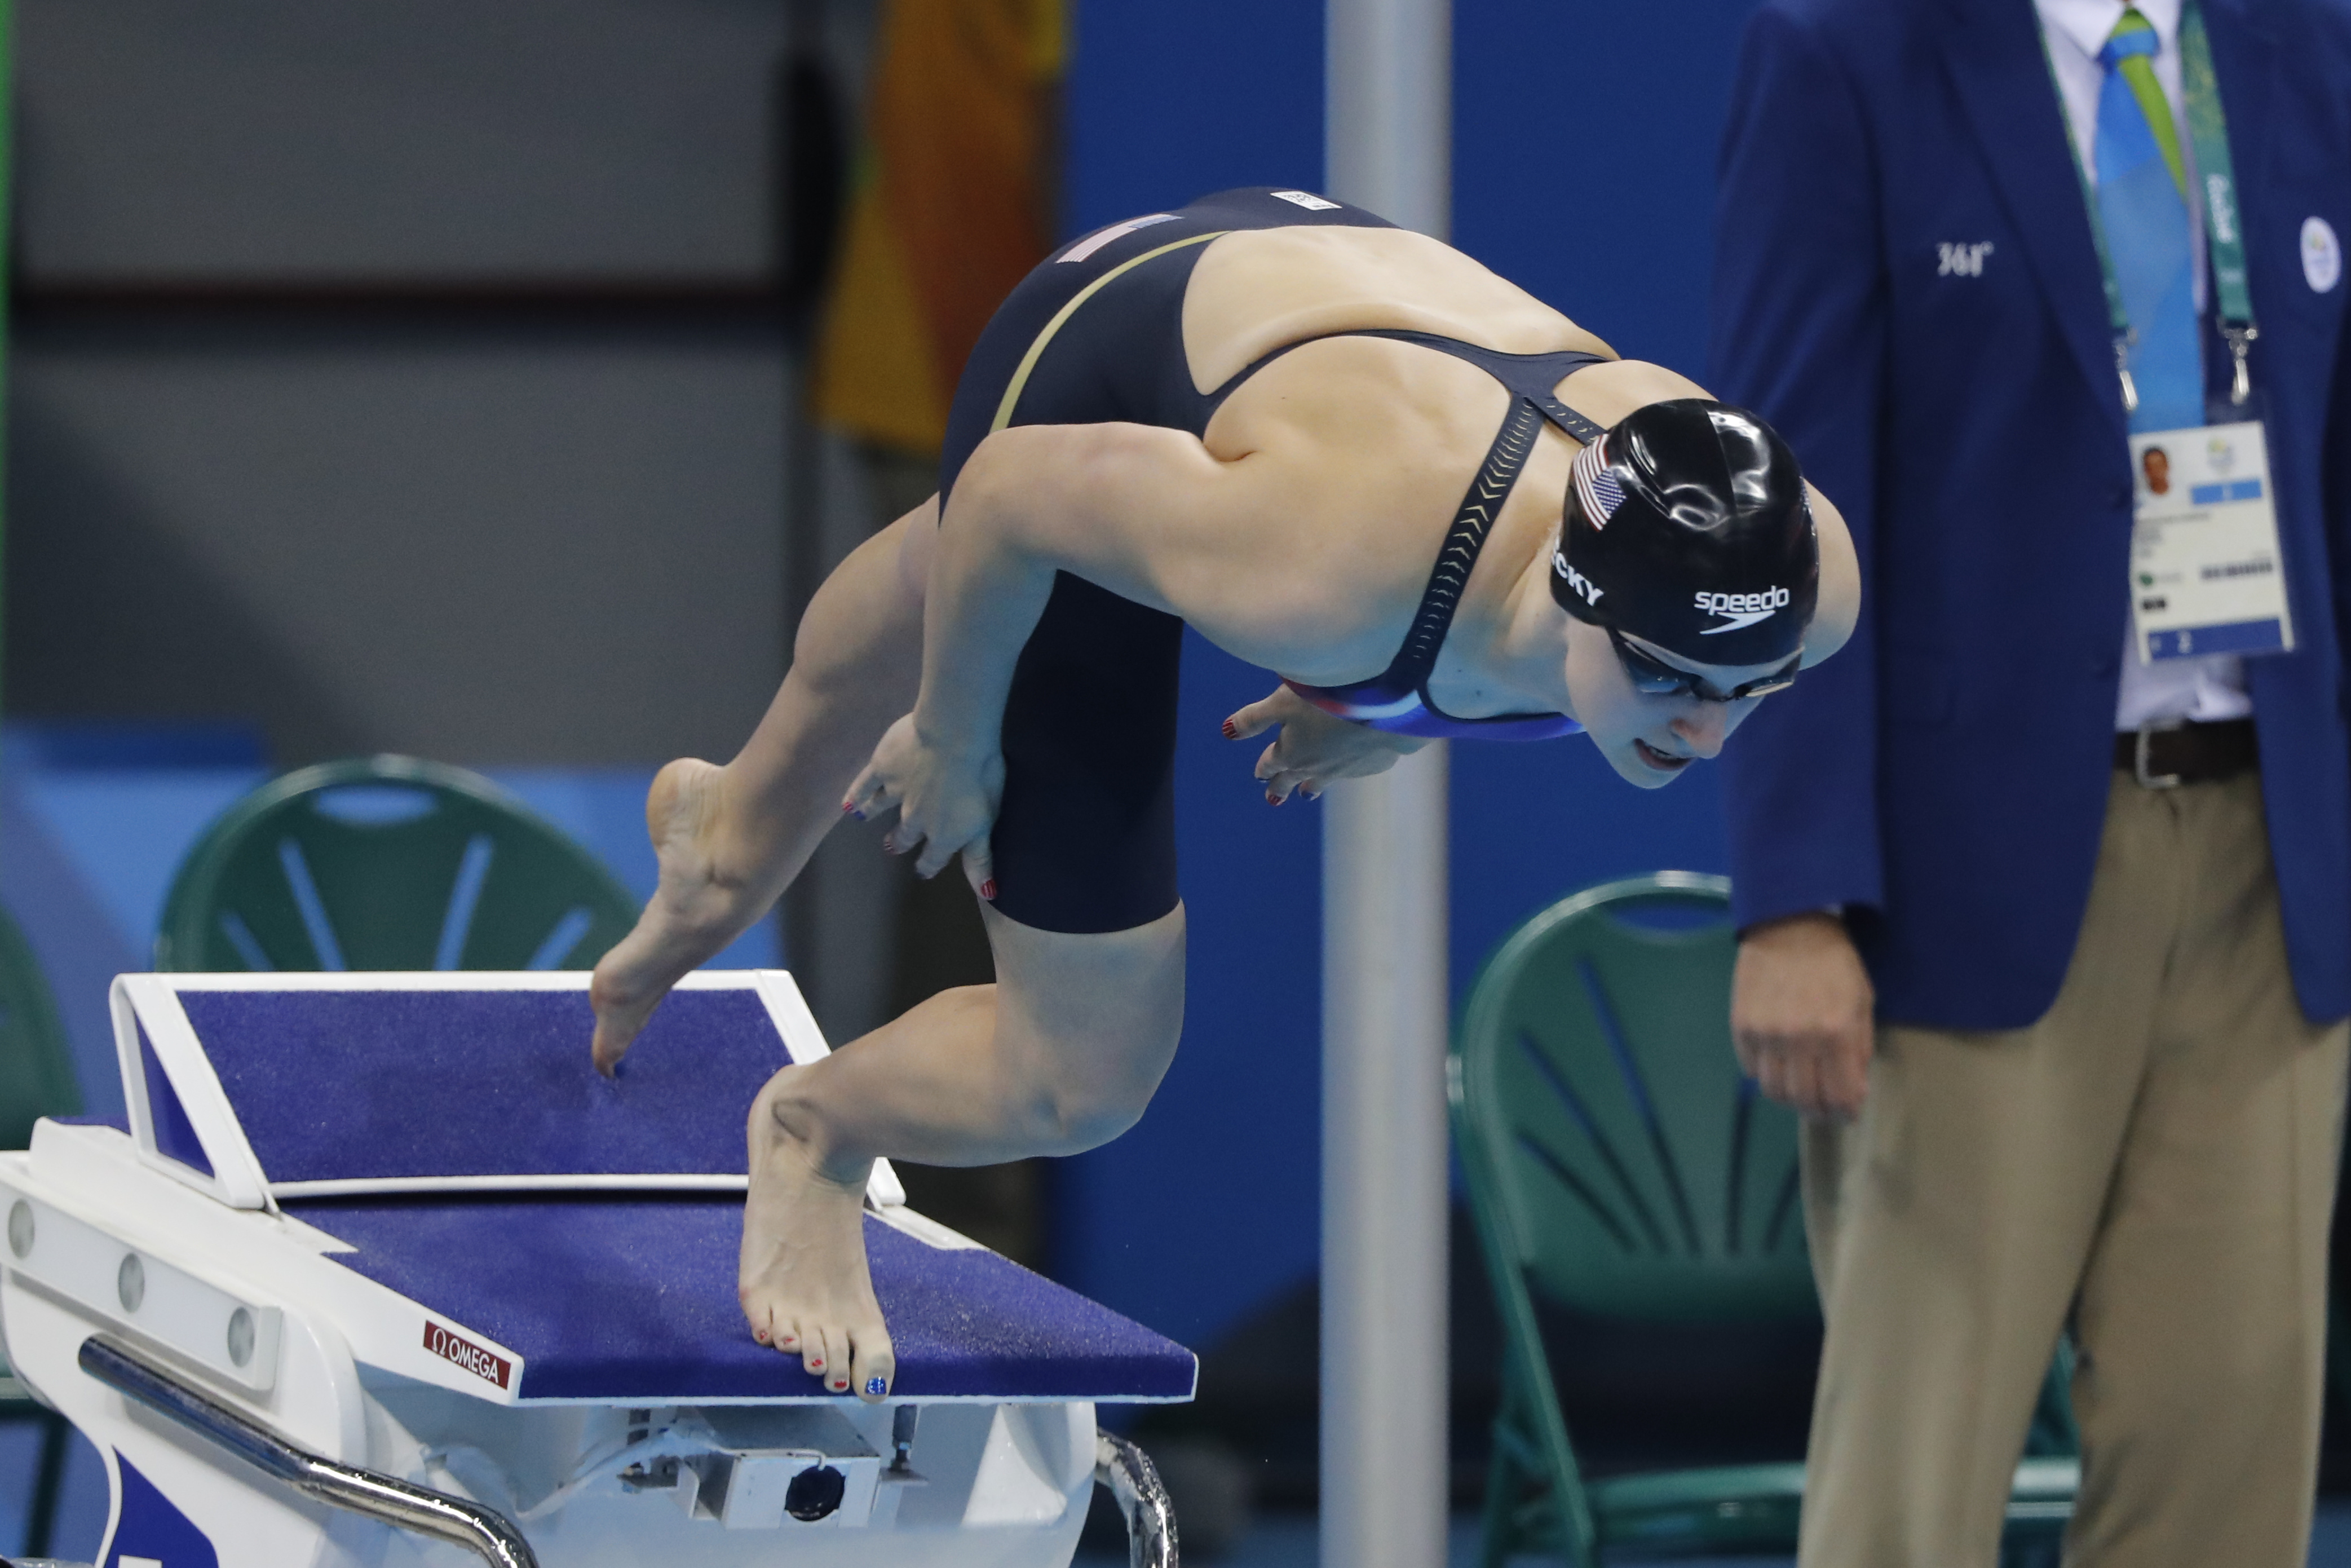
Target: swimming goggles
1655,678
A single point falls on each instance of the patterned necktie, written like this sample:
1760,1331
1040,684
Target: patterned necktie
2143,206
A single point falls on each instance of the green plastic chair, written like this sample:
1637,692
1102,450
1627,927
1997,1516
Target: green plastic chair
388,862
1620,1164
37,1080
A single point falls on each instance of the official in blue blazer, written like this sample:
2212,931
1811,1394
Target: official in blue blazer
2055,952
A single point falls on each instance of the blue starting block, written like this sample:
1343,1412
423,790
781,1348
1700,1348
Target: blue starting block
380,1272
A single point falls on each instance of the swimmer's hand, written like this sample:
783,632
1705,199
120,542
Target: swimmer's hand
710,892
1314,747
946,800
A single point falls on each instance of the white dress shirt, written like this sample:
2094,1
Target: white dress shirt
2212,687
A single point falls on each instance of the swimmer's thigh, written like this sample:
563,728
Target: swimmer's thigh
1086,924
1084,840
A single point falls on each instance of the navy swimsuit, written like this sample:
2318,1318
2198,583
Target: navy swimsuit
1085,836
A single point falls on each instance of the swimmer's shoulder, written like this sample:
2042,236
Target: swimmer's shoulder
1255,290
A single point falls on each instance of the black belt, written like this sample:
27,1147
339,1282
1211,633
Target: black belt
2188,753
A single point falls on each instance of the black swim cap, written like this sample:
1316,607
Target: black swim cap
1687,526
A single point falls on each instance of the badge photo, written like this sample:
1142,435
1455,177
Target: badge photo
2207,571
2321,255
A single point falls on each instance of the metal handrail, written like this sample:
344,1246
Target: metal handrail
1134,1482
393,1502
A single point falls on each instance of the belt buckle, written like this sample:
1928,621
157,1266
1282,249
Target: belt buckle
2139,753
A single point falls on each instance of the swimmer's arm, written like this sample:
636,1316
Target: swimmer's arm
1840,600
987,586
1023,507
1145,513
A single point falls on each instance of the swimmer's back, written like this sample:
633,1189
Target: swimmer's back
1256,290
1148,321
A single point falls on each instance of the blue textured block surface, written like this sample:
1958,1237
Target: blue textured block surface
337,1085
633,1299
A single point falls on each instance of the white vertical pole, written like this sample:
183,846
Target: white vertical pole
1387,130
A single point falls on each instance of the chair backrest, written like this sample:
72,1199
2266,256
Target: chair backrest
388,862
36,1068
1620,1162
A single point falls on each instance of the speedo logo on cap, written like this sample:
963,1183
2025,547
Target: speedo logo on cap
1740,611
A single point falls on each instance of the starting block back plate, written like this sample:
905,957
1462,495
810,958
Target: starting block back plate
358,1085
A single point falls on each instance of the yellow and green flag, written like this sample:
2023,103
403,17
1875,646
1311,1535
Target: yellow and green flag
951,205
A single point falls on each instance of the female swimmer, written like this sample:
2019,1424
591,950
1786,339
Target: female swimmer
1264,416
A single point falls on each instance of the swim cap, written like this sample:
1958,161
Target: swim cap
1687,526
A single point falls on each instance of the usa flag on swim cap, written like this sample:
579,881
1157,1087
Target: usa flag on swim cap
1598,488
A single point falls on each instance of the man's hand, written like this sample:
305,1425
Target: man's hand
1800,1015
1314,747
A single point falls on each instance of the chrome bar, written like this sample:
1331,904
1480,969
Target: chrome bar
1387,145
483,1532
1133,1482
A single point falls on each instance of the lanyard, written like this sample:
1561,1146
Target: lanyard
2208,134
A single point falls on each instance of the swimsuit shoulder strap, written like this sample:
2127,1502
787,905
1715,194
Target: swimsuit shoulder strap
1530,379
1480,505
1530,376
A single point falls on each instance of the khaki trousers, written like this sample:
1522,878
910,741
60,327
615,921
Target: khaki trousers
2154,1160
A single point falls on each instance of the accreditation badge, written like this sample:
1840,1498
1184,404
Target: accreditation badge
2207,576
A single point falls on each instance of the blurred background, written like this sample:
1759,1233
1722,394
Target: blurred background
492,381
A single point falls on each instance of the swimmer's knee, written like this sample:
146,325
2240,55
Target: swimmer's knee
1071,1122
1072,1114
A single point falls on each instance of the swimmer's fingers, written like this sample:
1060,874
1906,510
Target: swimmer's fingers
980,869
1281,783
867,798
873,792
1262,715
952,809
881,784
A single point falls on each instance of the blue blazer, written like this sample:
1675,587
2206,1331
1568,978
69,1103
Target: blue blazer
1946,776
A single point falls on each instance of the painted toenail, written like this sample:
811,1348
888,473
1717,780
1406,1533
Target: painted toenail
875,1386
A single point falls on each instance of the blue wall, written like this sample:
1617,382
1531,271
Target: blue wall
1584,143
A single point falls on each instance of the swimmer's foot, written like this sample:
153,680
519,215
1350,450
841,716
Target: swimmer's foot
694,913
803,1280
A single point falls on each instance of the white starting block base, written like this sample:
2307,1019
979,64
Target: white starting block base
497,1379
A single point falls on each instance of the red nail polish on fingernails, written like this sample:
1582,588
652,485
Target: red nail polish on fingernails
840,1386
1232,730
1273,800
987,890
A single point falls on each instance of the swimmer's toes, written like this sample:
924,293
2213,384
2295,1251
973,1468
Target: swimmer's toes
771,1324
874,1365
